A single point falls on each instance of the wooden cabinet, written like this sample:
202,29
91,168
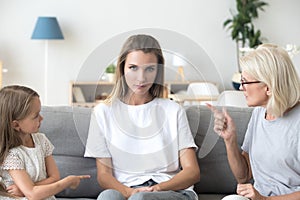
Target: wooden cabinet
88,94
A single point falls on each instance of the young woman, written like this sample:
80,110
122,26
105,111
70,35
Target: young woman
27,168
142,143
271,149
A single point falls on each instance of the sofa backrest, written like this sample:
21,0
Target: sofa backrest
67,128
215,173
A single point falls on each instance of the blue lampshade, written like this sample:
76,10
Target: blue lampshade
47,28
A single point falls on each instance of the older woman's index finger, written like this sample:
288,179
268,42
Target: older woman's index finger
211,107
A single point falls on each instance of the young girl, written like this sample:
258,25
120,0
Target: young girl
142,143
27,168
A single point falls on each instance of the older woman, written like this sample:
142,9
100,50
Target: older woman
271,148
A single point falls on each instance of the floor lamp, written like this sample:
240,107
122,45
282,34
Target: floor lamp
47,28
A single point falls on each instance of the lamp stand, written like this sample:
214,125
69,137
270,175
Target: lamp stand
180,73
46,74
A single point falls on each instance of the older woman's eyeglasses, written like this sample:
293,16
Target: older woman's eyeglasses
248,82
243,83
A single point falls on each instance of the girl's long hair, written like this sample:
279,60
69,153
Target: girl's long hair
147,44
15,104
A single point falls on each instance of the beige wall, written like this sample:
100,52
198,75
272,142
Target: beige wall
86,25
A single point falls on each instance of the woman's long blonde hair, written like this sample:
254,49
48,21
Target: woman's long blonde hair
147,44
272,65
15,104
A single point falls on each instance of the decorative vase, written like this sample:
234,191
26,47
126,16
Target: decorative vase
236,80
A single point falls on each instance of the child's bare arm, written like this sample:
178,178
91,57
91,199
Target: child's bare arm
32,191
53,174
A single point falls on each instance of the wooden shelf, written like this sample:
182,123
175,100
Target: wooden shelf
86,94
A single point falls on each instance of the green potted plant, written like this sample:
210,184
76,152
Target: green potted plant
110,69
110,72
242,28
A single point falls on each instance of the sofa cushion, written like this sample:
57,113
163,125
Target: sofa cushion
67,129
215,174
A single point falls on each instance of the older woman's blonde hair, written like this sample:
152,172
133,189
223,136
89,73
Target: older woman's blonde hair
272,65
147,44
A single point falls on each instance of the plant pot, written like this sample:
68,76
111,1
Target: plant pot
111,77
236,80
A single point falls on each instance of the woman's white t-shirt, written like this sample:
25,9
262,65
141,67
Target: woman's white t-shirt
143,141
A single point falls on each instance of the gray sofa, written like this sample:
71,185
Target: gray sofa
67,129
